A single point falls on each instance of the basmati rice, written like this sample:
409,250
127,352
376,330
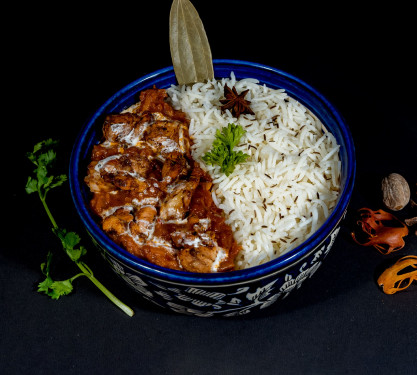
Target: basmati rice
290,183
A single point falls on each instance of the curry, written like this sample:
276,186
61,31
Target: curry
149,194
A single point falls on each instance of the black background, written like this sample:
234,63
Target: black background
64,61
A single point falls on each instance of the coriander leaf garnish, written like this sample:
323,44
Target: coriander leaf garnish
45,285
222,153
51,288
69,241
44,157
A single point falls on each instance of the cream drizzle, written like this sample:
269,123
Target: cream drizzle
103,162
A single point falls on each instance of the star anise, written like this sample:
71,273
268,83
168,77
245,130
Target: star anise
236,103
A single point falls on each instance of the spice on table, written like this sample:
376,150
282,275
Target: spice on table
399,276
381,230
411,221
236,103
395,192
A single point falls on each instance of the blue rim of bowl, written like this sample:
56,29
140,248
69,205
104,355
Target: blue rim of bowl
228,278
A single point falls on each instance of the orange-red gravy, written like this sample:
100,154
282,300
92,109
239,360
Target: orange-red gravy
152,198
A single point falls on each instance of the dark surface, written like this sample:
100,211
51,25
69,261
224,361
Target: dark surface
68,61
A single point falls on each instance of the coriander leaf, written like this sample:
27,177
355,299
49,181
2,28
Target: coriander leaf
60,288
47,158
45,181
69,241
43,156
58,181
31,186
51,288
238,157
230,135
46,143
217,155
45,285
42,175
233,159
76,254
222,153
45,267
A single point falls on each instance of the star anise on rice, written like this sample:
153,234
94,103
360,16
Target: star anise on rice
236,103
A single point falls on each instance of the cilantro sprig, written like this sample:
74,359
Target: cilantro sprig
222,153
43,157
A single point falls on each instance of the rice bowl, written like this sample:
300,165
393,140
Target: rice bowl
231,293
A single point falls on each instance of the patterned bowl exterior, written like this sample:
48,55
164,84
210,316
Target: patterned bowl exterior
223,294
226,300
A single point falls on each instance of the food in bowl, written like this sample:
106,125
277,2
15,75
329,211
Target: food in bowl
160,201
151,196
227,294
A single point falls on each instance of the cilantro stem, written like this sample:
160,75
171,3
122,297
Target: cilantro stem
78,275
105,291
86,270
45,206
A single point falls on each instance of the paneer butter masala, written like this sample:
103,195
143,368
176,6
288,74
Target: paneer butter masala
151,197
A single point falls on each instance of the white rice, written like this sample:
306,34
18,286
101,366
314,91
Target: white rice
290,183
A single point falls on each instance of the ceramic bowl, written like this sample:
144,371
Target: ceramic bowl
222,294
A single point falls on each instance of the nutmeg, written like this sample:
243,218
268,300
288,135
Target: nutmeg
395,192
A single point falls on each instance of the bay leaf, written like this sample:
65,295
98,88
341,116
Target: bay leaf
190,49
